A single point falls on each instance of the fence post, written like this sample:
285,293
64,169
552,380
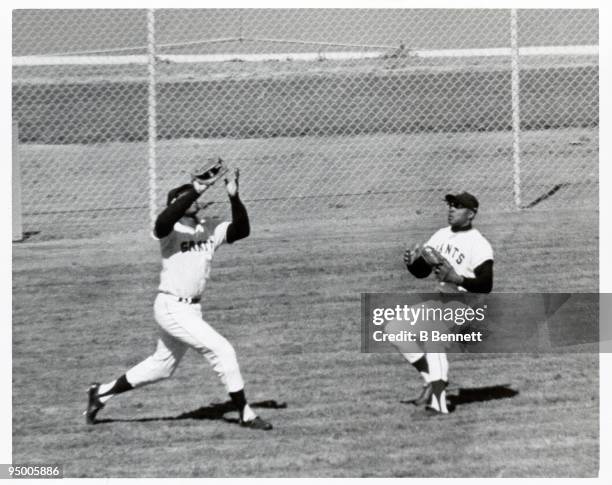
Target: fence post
516,118
16,181
152,116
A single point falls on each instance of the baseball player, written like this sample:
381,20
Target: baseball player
466,265
187,249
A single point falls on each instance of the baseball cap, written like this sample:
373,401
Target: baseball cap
174,193
466,199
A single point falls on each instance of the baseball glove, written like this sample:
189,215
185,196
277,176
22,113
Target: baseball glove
441,267
209,174
447,274
432,257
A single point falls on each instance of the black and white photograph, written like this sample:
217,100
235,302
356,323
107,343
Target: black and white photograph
231,224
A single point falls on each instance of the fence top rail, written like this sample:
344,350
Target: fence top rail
573,50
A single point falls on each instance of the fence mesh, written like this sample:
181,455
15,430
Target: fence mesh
321,109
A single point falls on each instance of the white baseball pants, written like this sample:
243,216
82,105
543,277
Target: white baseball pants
434,352
182,327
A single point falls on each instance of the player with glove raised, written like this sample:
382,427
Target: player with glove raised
462,261
188,244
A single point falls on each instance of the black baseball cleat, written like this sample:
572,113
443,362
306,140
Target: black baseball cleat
425,395
93,403
256,423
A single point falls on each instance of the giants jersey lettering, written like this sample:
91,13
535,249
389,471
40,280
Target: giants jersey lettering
187,254
464,250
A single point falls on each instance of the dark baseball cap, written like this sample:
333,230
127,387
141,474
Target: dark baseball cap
466,199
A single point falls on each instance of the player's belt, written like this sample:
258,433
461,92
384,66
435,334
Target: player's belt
195,299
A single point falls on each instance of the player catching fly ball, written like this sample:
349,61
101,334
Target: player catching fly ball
462,261
187,248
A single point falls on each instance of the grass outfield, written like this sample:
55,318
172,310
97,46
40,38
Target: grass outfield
288,299
82,190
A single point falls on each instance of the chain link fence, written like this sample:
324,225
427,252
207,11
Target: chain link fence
323,110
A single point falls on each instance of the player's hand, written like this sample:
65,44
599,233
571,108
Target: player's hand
412,254
447,274
231,185
205,177
199,187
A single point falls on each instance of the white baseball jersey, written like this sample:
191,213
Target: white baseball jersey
187,254
464,250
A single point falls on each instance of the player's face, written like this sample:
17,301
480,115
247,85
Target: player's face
459,216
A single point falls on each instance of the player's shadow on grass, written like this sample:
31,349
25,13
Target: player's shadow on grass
480,394
457,397
214,411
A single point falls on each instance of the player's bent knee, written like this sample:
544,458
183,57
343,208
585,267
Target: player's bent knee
166,372
149,371
224,350
229,358
162,370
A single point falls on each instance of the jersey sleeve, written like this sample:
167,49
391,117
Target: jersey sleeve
166,237
482,251
220,234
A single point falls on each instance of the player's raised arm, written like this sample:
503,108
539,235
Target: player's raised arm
240,227
179,200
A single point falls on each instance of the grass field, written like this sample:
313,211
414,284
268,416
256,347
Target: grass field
288,298
82,190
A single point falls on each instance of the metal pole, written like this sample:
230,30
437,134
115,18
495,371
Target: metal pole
16,179
152,120
516,119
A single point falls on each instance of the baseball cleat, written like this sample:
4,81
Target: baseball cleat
433,411
93,403
425,395
256,423
427,412
438,402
